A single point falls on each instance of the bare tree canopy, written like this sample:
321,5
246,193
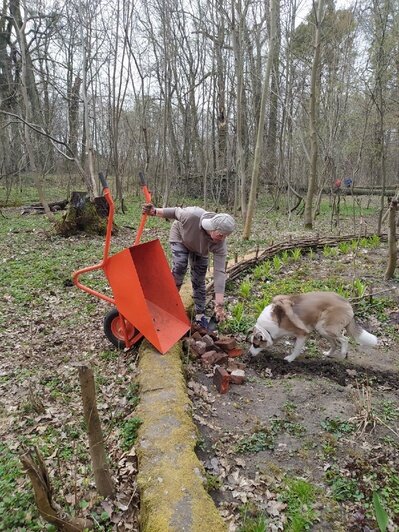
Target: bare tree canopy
175,88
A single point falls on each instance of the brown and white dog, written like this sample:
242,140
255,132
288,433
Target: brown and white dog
298,315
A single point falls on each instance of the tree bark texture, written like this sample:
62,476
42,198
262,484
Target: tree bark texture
259,139
271,140
102,475
314,113
392,242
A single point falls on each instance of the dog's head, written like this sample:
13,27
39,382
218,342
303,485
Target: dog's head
260,339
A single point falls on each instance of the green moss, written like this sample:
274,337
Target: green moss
171,478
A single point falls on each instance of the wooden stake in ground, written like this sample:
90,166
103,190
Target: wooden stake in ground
101,471
36,469
392,246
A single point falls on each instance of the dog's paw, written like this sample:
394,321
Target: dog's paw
289,358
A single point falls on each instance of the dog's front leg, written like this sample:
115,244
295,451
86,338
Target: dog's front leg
300,342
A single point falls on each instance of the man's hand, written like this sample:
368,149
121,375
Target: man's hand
219,312
149,209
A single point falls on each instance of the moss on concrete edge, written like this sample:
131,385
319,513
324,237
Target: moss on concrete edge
170,478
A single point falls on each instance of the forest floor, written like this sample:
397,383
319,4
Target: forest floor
298,446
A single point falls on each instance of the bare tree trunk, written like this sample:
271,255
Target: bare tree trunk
117,94
237,31
8,156
286,150
392,244
259,140
73,115
314,113
381,18
271,140
29,105
221,100
90,177
101,471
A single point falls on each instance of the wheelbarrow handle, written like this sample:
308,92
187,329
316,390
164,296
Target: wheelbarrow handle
110,222
143,184
147,196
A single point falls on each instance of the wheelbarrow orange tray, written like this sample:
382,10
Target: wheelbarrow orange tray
145,295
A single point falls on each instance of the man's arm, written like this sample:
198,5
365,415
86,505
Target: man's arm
151,210
219,275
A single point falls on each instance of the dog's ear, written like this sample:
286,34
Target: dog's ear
261,335
283,304
250,331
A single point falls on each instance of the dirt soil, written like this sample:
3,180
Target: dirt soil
333,423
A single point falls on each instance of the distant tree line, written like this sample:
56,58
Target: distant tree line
217,99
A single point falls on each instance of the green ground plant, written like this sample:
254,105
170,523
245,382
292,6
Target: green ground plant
364,242
329,447
376,306
327,251
129,431
359,288
286,425
337,426
239,322
388,410
348,208
109,354
344,247
264,438
260,440
370,478
212,482
290,409
285,257
260,304
381,515
343,488
245,289
374,241
252,519
312,254
132,394
262,271
296,254
300,497
277,263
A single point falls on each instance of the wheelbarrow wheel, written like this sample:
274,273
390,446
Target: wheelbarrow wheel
113,329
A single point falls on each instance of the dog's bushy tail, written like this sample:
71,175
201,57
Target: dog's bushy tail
284,303
361,335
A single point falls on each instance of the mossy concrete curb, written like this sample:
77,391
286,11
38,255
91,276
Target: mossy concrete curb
170,478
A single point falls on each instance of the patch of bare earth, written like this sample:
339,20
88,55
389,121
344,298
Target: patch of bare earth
333,423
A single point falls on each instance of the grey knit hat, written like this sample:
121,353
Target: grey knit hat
224,223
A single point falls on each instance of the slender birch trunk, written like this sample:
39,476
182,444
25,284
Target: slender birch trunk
261,123
314,115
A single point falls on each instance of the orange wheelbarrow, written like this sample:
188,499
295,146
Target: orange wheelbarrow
147,301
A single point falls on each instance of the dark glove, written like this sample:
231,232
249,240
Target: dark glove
149,209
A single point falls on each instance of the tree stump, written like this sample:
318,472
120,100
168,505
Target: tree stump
84,215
